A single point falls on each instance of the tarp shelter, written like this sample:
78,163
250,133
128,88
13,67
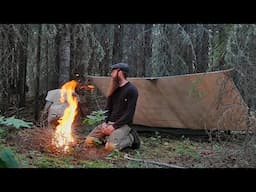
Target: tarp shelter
196,101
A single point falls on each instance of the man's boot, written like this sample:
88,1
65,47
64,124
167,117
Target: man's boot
136,142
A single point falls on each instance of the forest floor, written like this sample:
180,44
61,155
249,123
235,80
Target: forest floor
33,150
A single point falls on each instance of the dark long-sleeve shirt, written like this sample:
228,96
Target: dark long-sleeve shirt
121,105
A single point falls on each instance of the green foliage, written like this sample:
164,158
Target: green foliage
96,117
1,119
96,164
217,147
114,155
52,162
97,141
134,164
7,159
3,133
12,121
186,148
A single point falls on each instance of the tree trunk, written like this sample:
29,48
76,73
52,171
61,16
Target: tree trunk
105,39
32,60
201,50
64,55
91,63
188,53
37,75
141,44
53,61
117,47
147,46
22,69
130,47
47,63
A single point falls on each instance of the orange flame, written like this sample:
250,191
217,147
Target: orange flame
63,135
90,86
87,87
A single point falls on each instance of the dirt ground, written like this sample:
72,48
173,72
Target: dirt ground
33,149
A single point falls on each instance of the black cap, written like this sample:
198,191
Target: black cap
122,66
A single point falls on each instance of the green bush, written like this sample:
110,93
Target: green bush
96,117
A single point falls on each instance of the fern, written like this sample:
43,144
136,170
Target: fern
17,123
1,119
7,159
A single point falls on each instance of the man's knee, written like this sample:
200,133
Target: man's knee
115,142
110,146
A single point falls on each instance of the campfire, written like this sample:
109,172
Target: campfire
63,137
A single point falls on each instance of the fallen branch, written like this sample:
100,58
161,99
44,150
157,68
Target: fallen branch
152,162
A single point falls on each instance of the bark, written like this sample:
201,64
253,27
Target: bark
141,51
105,39
147,47
202,53
64,55
188,53
117,47
37,75
22,69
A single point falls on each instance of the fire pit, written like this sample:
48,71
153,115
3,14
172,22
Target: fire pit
64,139
40,139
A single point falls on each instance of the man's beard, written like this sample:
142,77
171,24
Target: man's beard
114,84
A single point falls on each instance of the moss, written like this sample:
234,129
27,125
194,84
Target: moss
50,162
96,164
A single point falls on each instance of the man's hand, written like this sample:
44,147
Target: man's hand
104,125
108,129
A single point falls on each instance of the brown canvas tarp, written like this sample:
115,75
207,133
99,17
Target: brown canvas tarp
197,101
